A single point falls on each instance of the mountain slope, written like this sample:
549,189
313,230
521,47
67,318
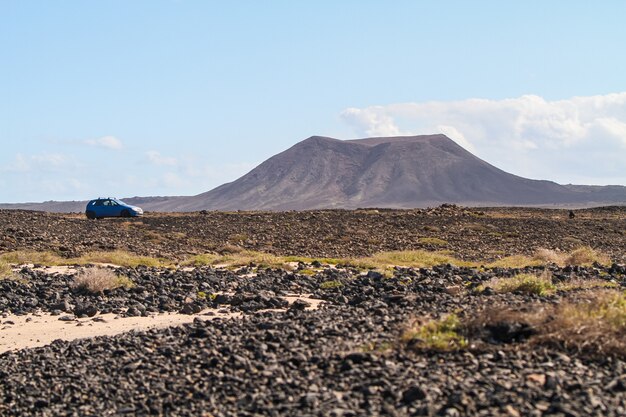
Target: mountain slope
399,172
395,172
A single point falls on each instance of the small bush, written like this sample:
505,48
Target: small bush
415,259
586,256
444,334
153,236
23,257
583,256
201,260
330,284
549,256
515,261
120,258
242,257
5,270
204,296
97,280
523,283
594,324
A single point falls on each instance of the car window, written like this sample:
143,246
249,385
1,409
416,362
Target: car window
97,203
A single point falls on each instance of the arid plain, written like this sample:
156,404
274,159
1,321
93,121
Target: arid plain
444,311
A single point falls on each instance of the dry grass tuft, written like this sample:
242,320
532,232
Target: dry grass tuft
120,258
384,261
583,256
549,256
22,257
586,256
542,284
515,261
443,335
522,283
594,324
5,270
97,280
232,255
413,259
242,257
331,284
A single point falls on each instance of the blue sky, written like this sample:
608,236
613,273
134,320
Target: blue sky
156,97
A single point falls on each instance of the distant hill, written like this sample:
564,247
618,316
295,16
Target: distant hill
395,172
79,206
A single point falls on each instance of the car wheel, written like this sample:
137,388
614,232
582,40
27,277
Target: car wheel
125,213
91,215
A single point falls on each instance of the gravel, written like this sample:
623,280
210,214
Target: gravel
475,234
343,359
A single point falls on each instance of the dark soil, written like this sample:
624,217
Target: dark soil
472,234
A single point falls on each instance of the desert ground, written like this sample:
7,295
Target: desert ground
449,311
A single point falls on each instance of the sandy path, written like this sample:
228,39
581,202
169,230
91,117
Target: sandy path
40,330
33,330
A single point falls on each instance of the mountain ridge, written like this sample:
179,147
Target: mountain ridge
394,172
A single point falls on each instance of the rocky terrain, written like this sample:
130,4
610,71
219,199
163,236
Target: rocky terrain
349,357
477,234
346,358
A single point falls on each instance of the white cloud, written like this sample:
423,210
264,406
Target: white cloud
373,120
528,135
41,162
173,180
50,159
61,186
19,164
108,142
157,159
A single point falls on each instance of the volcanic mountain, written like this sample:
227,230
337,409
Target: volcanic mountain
396,172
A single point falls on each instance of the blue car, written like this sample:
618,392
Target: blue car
110,207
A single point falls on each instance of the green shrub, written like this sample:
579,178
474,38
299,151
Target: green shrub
522,283
444,334
330,284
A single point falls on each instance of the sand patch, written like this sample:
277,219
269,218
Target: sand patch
33,330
